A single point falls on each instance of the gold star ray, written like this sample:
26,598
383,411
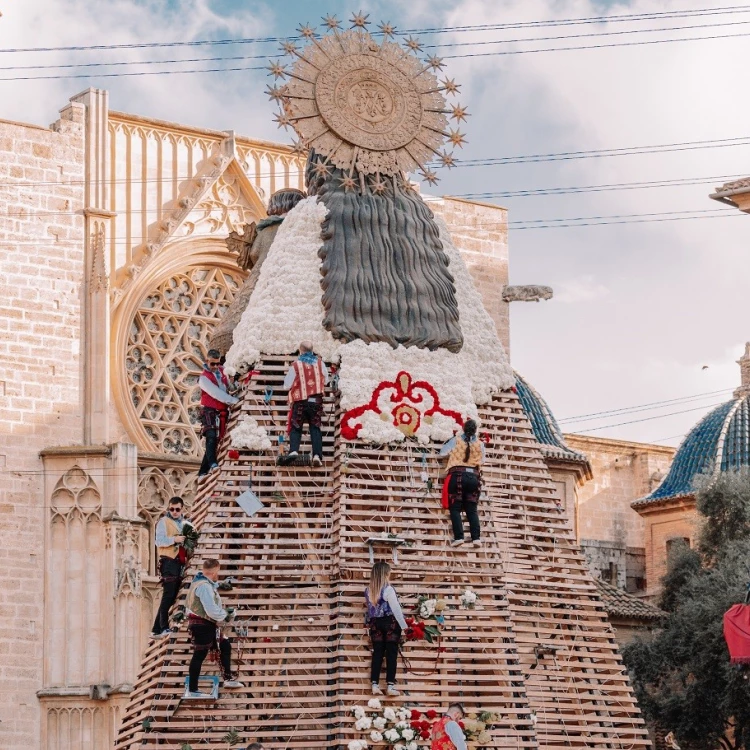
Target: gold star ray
450,85
307,31
359,20
459,113
331,22
413,44
387,29
435,63
277,70
456,138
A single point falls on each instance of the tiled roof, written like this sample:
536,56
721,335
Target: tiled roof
544,425
619,603
723,435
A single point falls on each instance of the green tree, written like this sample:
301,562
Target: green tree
681,674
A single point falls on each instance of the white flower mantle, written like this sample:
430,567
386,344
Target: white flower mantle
286,308
250,435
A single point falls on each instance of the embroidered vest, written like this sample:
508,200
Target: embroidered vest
308,381
380,609
172,530
456,456
194,604
440,738
210,401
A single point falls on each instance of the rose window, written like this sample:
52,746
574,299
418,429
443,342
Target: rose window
166,347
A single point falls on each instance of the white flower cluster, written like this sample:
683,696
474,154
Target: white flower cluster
427,608
286,308
400,735
248,434
469,599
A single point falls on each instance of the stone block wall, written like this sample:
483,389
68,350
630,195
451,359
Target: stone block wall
41,274
480,232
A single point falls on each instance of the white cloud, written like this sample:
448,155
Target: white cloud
583,289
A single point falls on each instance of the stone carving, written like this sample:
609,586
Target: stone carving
527,293
127,574
165,350
75,495
99,280
735,185
369,107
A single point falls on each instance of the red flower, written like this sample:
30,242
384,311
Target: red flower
267,640
432,714
415,714
424,726
461,724
233,454
424,734
416,725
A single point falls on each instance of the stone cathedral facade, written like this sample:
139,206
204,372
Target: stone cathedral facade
114,273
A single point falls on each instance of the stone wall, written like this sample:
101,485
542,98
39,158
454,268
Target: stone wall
623,472
480,232
41,257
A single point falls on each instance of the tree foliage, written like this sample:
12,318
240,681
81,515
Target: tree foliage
681,674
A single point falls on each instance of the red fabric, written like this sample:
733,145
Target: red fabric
445,500
737,633
210,401
308,381
440,738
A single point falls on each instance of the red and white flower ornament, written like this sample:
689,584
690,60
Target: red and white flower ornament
406,403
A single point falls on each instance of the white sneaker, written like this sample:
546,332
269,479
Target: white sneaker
392,691
233,684
292,454
457,542
163,634
317,461
376,689
195,696
477,542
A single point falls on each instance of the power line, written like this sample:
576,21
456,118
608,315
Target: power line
641,407
730,215
685,181
623,216
628,18
648,419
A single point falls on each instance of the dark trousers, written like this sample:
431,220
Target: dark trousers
385,635
168,569
472,516
309,414
204,637
209,457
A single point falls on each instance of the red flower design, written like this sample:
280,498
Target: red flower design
416,725
233,454
413,401
432,714
415,714
424,734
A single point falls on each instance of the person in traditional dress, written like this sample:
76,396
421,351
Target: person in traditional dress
386,623
215,403
306,381
252,249
463,482
446,733
168,538
206,615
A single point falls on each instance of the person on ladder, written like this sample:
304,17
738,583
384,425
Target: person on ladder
463,482
206,615
168,538
386,622
215,403
446,733
306,381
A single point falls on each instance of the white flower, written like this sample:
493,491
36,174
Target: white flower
363,724
408,734
357,745
274,627
404,714
412,746
401,725
379,723
359,712
391,735
376,736
389,714
399,747
374,704
247,433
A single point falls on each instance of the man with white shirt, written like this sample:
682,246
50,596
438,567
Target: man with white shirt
446,733
206,615
306,381
215,403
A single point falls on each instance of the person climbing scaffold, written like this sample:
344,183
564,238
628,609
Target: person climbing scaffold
446,733
386,623
168,540
306,381
215,403
206,616
463,481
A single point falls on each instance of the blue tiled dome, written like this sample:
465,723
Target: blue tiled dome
544,425
720,441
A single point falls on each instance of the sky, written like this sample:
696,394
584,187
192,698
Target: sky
644,311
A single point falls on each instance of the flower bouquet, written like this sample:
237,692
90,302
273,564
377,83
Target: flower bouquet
187,548
469,599
430,608
419,630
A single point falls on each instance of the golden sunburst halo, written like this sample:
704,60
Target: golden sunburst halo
366,106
